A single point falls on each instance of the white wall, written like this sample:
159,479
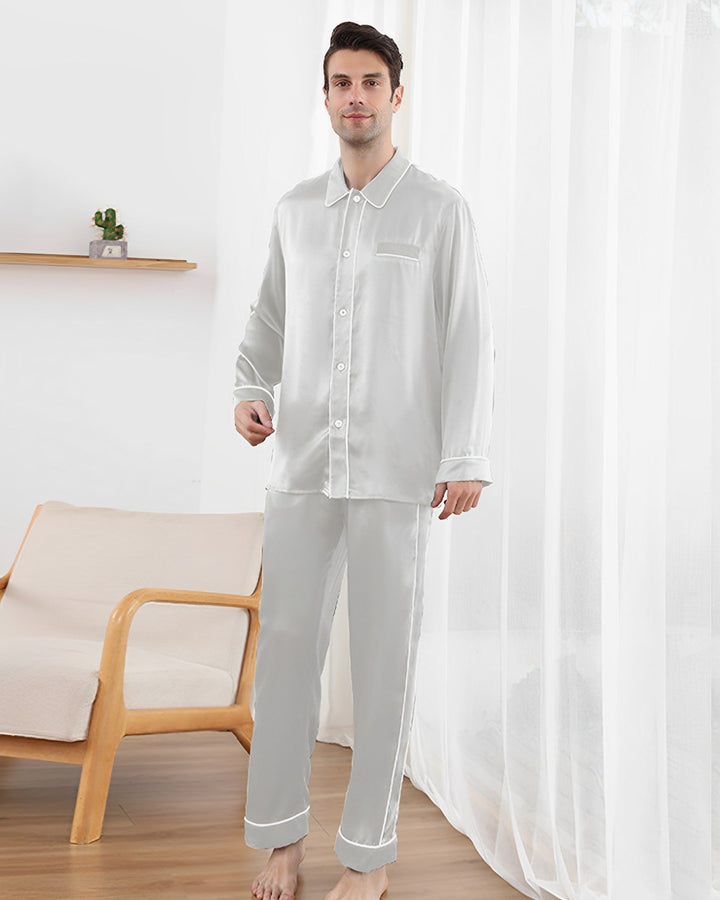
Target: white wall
103,375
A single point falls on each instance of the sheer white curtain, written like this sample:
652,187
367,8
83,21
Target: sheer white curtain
567,715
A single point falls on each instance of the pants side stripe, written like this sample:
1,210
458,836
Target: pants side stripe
407,672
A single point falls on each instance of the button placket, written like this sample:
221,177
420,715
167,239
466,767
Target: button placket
339,474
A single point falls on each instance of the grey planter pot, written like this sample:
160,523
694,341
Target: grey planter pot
108,249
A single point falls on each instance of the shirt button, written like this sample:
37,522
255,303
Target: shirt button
346,253
341,366
343,312
356,198
338,423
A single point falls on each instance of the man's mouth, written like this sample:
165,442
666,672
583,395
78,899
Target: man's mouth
356,116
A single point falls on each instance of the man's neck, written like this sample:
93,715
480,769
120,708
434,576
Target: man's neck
362,164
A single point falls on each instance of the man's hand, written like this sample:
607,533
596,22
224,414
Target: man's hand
461,496
252,421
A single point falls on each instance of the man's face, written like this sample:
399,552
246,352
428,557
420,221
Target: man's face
359,98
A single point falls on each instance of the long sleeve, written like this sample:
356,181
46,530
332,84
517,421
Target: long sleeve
259,363
466,343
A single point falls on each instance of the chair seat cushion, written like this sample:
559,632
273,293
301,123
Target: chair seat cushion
47,686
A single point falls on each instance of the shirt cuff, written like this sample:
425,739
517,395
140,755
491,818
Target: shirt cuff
464,468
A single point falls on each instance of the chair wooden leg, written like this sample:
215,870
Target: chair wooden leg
93,791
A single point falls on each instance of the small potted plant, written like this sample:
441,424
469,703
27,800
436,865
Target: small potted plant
111,246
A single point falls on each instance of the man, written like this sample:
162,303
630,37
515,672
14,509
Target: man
373,312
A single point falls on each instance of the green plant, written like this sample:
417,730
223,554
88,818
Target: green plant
111,231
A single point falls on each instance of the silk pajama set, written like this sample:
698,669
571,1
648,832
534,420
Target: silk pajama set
373,317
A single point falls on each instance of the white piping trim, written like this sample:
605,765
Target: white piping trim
332,355
387,196
251,365
369,846
407,671
255,387
330,203
446,458
398,256
281,822
352,313
333,202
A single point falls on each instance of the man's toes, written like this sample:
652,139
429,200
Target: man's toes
287,895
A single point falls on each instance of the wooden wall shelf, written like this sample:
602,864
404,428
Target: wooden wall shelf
59,259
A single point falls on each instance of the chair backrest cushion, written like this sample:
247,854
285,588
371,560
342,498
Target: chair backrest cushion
78,562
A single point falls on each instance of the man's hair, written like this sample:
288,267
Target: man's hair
351,36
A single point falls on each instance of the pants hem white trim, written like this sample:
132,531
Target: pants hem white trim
280,822
364,857
277,834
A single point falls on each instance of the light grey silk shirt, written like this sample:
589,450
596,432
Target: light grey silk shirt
373,315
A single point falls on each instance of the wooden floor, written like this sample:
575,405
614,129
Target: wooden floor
174,829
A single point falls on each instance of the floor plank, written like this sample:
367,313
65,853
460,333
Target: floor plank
174,830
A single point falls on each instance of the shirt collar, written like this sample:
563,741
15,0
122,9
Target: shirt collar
376,191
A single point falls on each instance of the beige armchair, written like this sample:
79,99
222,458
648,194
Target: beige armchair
116,622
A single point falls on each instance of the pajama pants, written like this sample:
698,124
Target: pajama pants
307,541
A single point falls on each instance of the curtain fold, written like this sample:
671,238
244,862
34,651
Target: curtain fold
567,714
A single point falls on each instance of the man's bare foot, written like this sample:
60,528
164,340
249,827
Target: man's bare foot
278,880
355,885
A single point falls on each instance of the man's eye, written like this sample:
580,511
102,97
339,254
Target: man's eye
371,82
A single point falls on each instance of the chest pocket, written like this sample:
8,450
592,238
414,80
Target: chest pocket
399,251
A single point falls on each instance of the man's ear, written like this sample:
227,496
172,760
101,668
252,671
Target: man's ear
397,97
326,100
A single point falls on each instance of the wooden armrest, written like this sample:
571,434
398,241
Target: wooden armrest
131,603
112,663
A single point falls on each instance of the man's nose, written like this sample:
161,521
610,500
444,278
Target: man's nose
356,94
